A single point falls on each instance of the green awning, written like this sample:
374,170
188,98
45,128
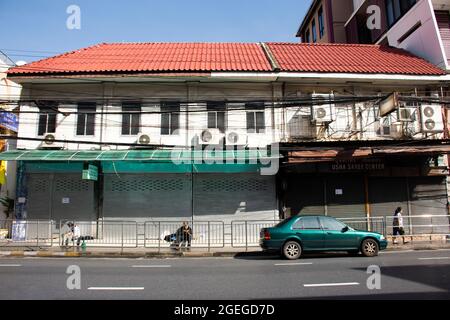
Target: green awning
175,156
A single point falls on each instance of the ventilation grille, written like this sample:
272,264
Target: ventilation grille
41,185
228,185
73,185
146,185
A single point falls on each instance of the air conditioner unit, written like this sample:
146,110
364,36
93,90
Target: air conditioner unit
210,136
50,143
236,138
322,112
143,139
431,118
300,127
406,114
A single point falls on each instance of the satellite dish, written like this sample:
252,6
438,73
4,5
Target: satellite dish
21,63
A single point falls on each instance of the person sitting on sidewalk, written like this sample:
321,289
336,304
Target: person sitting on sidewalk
73,234
184,235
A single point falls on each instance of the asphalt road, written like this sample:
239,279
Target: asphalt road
404,275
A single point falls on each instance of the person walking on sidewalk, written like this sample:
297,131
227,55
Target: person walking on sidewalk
397,226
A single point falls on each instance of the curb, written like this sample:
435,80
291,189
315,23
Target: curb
47,254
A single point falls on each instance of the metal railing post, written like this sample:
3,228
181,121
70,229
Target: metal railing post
223,234
137,235
209,236
246,236
37,231
121,251
159,236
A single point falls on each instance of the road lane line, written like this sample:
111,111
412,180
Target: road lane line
152,266
10,265
116,288
435,258
293,264
332,284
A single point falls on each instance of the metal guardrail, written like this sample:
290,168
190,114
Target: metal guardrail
27,233
421,225
245,233
205,234
101,233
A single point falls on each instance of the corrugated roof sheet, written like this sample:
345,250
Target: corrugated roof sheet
171,58
349,58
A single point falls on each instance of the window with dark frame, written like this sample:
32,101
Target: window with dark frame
131,122
255,117
321,24
170,117
86,119
314,31
216,115
47,121
395,9
307,36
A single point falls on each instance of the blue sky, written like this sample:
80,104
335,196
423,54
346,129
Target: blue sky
40,25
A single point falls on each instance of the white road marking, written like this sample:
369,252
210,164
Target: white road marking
332,284
151,266
10,265
293,264
116,288
435,258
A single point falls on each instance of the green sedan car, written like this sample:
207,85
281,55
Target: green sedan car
299,234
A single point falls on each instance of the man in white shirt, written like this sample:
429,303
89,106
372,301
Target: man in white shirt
397,226
73,233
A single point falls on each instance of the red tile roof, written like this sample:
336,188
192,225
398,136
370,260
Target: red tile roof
349,58
189,58
154,57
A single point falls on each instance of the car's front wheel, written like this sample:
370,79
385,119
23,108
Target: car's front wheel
369,248
292,250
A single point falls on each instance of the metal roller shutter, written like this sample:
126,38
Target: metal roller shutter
78,195
47,191
345,196
234,196
143,195
386,194
428,196
305,195
39,196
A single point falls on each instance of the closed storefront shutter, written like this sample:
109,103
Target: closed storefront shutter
387,194
305,195
73,198
143,195
428,196
62,196
39,196
345,196
227,196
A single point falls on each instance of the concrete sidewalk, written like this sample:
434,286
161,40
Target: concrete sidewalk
169,253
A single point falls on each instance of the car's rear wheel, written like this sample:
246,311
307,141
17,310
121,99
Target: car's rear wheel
292,250
369,248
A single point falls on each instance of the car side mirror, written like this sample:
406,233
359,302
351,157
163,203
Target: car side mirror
345,229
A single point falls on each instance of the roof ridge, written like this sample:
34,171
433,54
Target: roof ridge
327,44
